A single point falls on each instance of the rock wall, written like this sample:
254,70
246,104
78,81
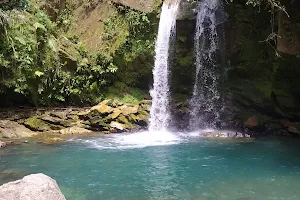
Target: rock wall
262,90
289,30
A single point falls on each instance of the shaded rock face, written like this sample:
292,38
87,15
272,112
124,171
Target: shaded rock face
289,29
32,187
261,90
259,84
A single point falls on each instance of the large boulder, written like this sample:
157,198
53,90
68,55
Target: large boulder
32,187
10,129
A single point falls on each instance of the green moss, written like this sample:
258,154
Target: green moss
36,124
185,60
125,94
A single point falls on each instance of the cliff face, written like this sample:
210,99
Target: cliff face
289,31
258,85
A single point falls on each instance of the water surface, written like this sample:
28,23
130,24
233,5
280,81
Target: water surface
161,166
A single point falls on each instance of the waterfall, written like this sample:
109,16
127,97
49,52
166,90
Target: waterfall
159,114
205,104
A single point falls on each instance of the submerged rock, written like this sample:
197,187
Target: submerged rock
10,175
32,187
2,144
74,130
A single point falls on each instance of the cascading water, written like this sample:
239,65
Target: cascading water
159,114
205,104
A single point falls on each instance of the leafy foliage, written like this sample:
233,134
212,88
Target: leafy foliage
48,68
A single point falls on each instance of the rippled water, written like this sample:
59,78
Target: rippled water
161,165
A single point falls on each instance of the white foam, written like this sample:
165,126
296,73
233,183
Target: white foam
141,139
134,140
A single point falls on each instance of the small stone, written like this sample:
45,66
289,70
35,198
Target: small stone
2,144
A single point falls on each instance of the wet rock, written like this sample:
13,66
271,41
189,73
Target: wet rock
32,187
224,134
251,122
35,124
10,175
2,144
293,129
74,130
10,129
187,9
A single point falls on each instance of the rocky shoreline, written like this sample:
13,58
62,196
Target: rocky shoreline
54,125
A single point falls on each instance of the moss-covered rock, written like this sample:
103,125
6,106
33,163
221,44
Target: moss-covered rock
36,124
127,110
